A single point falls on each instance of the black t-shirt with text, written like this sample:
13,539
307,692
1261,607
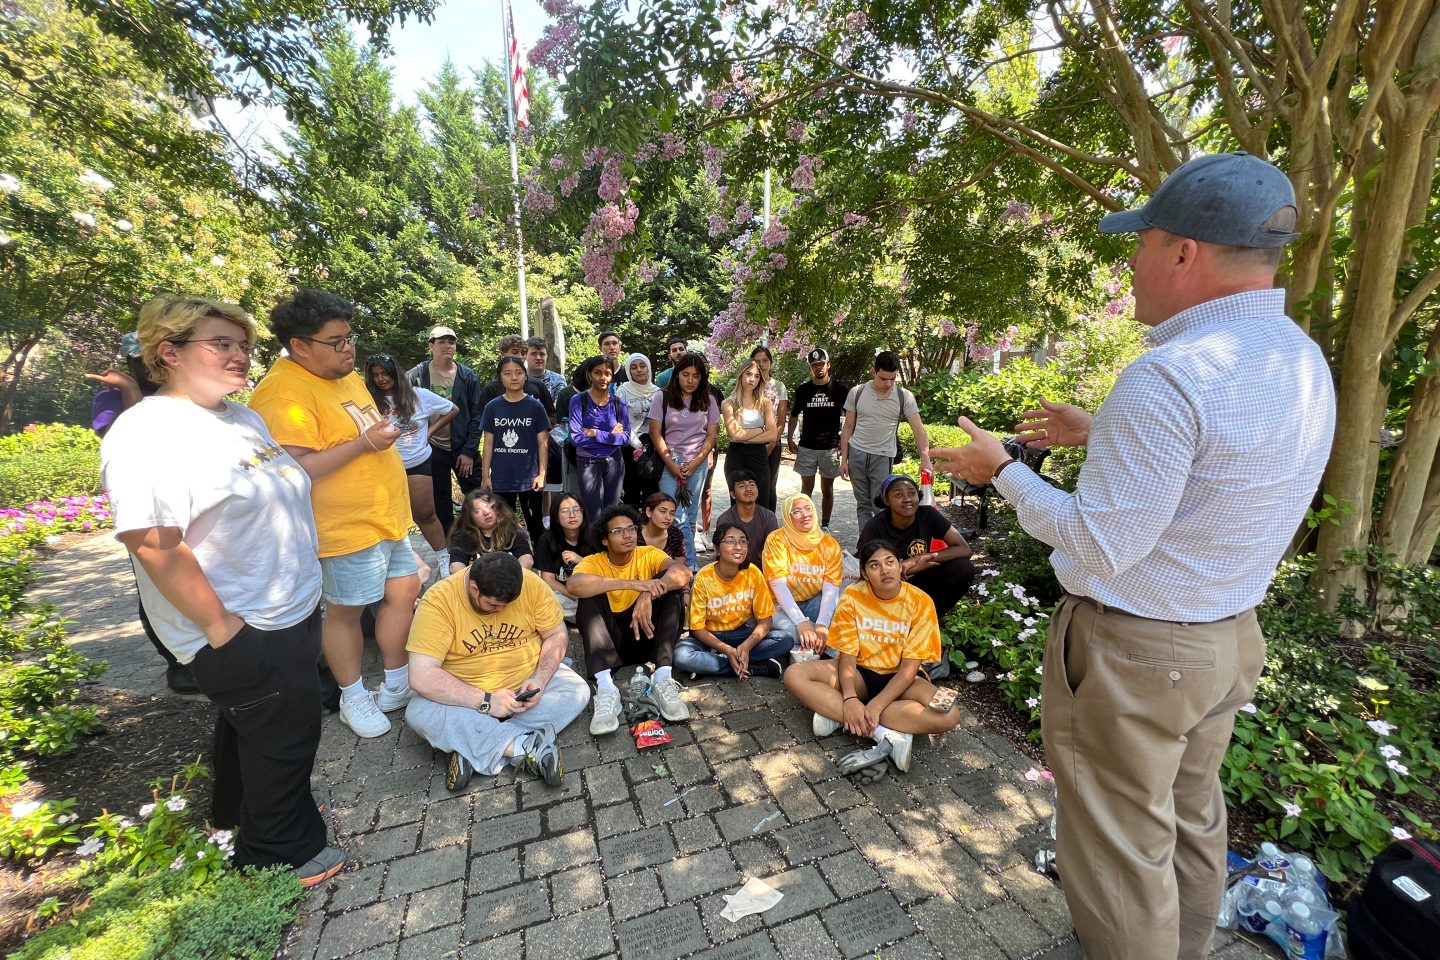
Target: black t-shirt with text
821,410
929,524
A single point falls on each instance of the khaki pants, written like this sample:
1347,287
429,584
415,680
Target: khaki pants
1137,716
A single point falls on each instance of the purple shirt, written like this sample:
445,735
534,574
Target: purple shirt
685,429
585,414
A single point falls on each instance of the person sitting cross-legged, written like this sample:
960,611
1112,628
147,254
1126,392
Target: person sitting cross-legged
933,554
731,632
485,665
628,613
884,628
804,567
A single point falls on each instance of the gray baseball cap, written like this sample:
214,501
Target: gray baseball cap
1223,198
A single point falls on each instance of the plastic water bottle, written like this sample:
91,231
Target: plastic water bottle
927,488
1250,906
1303,872
1305,935
639,684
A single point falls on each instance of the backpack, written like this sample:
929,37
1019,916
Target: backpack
1396,914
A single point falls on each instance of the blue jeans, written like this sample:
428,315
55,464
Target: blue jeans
692,655
786,627
685,515
600,479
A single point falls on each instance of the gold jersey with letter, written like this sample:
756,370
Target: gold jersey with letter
718,605
880,633
489,651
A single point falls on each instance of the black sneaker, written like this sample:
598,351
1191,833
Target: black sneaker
458,772
541,756
766,668
179,679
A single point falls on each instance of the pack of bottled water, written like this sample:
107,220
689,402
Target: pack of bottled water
1281,895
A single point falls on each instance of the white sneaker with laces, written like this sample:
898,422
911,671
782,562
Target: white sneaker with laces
605,711
667,696
824,726
388,700
363,716
901,746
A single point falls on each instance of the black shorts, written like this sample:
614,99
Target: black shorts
420,469
873,682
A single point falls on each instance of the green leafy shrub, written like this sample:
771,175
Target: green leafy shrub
1019,557
1002,627
991,400
941,435
48,461
32,830
39,677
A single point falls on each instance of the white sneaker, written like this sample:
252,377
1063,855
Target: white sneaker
702,542
667,697
901,746
605,711
363,716
824,726
388,700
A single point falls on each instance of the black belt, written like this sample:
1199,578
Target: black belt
1106,608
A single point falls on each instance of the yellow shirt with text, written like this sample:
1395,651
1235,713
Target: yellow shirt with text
644,564
880,633
489,651
365,502
718,605
804,573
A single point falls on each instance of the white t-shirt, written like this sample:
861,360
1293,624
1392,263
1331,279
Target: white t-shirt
414,442
240,502
877,418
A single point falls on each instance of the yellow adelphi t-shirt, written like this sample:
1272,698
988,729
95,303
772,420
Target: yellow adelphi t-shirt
718,605
365,502
489,651
880,633
804,573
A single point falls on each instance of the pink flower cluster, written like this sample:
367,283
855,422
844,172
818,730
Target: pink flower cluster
612,183
806,167
712,156
718,225
537,198
776,235
648,271
49,517
604,234
568,185
1015,210
796,131
672,147
856,22
557,49
854,221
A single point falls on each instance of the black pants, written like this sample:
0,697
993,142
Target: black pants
774,476
752,458
947,583
267,730
528,503
610,639
442,467
635,490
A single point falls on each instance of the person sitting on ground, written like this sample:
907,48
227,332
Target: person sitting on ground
659,529
884,628
803,566
629,613
731,634
418,413
561,546
487,523
485,664
933,554
745,511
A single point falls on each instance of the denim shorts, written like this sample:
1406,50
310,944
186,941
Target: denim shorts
356,579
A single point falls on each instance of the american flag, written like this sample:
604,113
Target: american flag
518,89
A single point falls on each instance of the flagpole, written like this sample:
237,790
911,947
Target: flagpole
514,167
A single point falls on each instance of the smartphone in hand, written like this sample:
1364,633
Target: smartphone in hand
524,695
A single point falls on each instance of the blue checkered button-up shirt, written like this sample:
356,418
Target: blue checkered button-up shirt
1201,464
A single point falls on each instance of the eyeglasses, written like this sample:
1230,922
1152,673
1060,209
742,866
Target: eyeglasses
734,542
572,511
337,345
224,346
629,531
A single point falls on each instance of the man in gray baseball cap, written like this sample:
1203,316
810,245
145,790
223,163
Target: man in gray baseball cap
1180,516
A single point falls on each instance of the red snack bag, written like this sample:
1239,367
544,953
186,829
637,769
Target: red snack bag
649,733
936,545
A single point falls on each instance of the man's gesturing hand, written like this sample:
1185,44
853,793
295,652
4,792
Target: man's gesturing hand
976,461
1054,425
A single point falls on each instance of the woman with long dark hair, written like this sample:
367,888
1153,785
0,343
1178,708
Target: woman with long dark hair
564,543
600,431
487,523
417,412
750,423
659,529
684,427
774,391
516,432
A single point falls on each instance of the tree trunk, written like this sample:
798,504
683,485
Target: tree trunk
1414,462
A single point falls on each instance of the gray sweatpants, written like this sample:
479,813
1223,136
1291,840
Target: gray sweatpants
481,739
867,472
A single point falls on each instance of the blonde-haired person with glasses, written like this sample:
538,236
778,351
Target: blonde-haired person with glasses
188,473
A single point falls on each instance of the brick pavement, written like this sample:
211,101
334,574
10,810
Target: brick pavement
629,857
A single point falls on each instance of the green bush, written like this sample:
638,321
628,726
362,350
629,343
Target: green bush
991,400
48,461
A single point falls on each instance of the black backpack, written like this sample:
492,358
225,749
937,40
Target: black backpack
1396,914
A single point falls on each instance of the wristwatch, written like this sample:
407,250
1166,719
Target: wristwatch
484,705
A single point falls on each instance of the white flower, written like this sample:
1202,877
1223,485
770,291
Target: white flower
1249,708
217,261
980,589
1033,775
176,804
178,862
148,809
1026,634
1400,833
1032,702
1010,676
68,818
1292,809
1389,751
1398,767
1040,670
1013,615
5,239
8,184
125,823
24,808
989,572
199,854
995,641
92,179
1018,592
84,219
1029,621
124,226
91,847
1381,727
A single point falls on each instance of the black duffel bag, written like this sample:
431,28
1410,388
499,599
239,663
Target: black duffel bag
1396,914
